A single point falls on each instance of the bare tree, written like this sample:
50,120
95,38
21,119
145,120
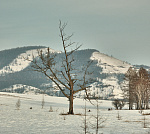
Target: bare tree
115,103
118,116
118,104
65,78
51,109
43,102
144,122
130,78
138,88
18,104
99,120
85,120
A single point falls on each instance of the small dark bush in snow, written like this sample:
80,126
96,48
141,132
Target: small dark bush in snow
118,104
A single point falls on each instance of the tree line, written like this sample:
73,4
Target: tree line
137,88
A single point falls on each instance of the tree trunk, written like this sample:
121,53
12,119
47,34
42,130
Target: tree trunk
147,104
137,105
130,99
71,103
140,104
130,103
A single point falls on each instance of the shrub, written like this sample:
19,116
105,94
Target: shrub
118,104
18,103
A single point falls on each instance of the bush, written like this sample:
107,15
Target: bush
118,104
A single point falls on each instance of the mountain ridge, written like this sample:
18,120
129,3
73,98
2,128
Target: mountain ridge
105,80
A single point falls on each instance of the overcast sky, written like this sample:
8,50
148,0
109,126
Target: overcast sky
120,28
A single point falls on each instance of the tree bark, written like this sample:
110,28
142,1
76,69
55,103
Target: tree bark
71,103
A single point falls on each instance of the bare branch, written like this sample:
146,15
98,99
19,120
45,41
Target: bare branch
74,50
65,78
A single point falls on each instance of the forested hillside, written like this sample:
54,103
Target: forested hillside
107,72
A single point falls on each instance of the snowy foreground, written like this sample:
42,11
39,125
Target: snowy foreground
41,121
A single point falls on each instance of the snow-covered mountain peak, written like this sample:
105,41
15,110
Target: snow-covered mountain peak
109,63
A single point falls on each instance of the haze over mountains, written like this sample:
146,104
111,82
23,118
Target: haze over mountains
16,74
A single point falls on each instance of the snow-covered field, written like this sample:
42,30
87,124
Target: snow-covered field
41,121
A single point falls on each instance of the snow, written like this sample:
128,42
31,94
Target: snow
21,63
41,121
110,89
117,92
25,88
110,64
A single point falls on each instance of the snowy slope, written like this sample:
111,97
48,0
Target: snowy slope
110,64
20,63
41,121
22,89
112,67
106,78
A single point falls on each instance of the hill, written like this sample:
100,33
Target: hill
16,74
